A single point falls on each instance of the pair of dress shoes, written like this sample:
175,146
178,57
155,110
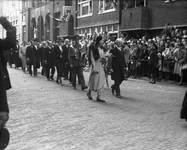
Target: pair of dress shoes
97,99
113,90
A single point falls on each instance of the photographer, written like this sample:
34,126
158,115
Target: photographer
5,44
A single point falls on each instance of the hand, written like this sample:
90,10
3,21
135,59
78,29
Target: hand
127,69
111,70
4,116
60,56
5,23
71,66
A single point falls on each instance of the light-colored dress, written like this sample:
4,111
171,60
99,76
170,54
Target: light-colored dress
22,55
97,80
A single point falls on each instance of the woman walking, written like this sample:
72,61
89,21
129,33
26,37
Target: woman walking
97,75
153,62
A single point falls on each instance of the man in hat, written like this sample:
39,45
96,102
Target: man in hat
76,59
49,61
17,60
118,66
31,58
5,44
65,48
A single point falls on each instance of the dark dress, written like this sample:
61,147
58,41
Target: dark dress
17,60
183,114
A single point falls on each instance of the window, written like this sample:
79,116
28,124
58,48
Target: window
134,3
92,30
167,1
110,28
85,8
98,29
107,5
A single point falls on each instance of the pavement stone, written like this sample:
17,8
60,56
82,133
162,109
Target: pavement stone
46,116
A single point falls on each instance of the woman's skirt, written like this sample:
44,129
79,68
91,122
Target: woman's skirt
97,80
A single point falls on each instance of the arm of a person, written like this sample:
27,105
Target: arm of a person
10,41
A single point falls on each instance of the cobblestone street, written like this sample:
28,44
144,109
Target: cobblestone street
46,116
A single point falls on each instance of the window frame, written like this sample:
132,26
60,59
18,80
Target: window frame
103,9
85,3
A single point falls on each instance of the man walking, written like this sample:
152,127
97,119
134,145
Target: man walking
118,66
65,48
49,61
31,58
76,59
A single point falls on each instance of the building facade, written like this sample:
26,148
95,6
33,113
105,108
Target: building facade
11,9
39,22
137,18
148,17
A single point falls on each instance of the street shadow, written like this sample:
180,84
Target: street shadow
131,99
184,126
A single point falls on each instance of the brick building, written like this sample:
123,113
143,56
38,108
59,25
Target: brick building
135,17
97,16
38,24
148,17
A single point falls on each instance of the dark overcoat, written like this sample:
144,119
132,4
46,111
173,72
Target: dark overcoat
17,60
5,44
65,53
5,71
118,64
48,57
31,55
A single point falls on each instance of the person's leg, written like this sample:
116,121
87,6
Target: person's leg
74,71
30,69
81,78
52,73
117,88
47,71
99,96
35,70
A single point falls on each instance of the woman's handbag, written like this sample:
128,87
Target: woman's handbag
184,66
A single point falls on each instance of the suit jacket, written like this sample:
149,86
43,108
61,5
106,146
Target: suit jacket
76,56
31,55
118,64
48,56
65,53
58,55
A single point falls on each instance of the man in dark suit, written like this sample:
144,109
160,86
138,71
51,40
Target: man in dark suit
17,60
5,44
118,66
41,55
49,61
59,61
65,48
76,59
31,58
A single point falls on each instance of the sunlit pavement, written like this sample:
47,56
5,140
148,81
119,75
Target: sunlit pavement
46,116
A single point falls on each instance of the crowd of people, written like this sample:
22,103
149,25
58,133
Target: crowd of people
162,57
